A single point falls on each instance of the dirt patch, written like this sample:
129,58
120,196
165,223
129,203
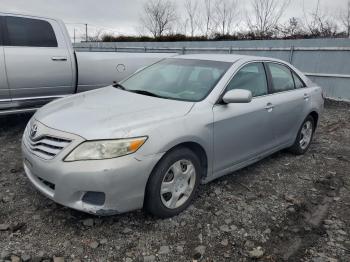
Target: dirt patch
286,207
303,224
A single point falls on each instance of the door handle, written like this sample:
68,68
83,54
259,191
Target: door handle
269,107
306,96
59,58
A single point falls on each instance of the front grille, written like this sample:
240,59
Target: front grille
46,146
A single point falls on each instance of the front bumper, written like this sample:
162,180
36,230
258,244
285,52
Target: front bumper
122,180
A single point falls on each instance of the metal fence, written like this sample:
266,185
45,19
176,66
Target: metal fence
326,62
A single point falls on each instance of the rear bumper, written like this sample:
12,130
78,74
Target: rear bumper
122,181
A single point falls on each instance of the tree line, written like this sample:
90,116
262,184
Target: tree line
201,20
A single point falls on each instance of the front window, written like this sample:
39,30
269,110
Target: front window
178,79
30,32
251,77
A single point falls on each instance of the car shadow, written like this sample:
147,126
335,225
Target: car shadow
11,123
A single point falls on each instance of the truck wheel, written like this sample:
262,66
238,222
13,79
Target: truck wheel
304,137
173,183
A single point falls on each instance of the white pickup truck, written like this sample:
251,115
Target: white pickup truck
38,63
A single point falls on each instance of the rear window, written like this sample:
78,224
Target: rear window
282,79
29,32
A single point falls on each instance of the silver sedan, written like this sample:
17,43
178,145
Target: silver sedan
149,141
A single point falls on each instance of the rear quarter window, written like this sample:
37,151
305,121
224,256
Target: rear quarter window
29,32
298,82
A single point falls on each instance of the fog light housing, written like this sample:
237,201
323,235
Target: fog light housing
94,198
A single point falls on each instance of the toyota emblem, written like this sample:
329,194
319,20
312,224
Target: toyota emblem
33,130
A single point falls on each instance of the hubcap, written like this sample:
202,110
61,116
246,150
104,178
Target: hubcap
306,134
178,184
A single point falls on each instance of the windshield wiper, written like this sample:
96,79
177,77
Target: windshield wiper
141,92
117,85
144,92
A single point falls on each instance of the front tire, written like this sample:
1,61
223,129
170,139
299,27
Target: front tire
173,183
304,137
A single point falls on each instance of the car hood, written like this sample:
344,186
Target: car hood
109,113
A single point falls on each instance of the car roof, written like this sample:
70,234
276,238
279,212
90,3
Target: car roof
27,14
231,58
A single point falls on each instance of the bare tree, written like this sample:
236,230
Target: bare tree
158,17
320,23
345,19
312,24
265,15
182,27
96,36
293,28
226,11
206,20
191,8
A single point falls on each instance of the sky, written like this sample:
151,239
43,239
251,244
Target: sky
123,16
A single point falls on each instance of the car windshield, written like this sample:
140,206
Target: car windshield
178,79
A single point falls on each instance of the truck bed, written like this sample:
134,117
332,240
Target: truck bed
99,69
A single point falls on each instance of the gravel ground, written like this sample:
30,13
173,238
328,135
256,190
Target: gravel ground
286,207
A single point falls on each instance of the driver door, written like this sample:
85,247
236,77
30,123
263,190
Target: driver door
243,131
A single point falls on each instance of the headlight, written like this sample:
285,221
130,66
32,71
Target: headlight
105,149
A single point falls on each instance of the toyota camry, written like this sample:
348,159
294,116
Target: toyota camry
150,140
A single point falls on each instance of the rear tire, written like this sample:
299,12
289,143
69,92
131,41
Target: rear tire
173,183
304,137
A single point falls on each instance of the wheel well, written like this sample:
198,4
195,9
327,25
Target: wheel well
199,151
315,117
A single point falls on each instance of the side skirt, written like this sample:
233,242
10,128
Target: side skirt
244,164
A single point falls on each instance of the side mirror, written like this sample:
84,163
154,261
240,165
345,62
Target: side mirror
237,96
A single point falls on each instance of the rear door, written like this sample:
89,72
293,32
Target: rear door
4,91
38,63
290,102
